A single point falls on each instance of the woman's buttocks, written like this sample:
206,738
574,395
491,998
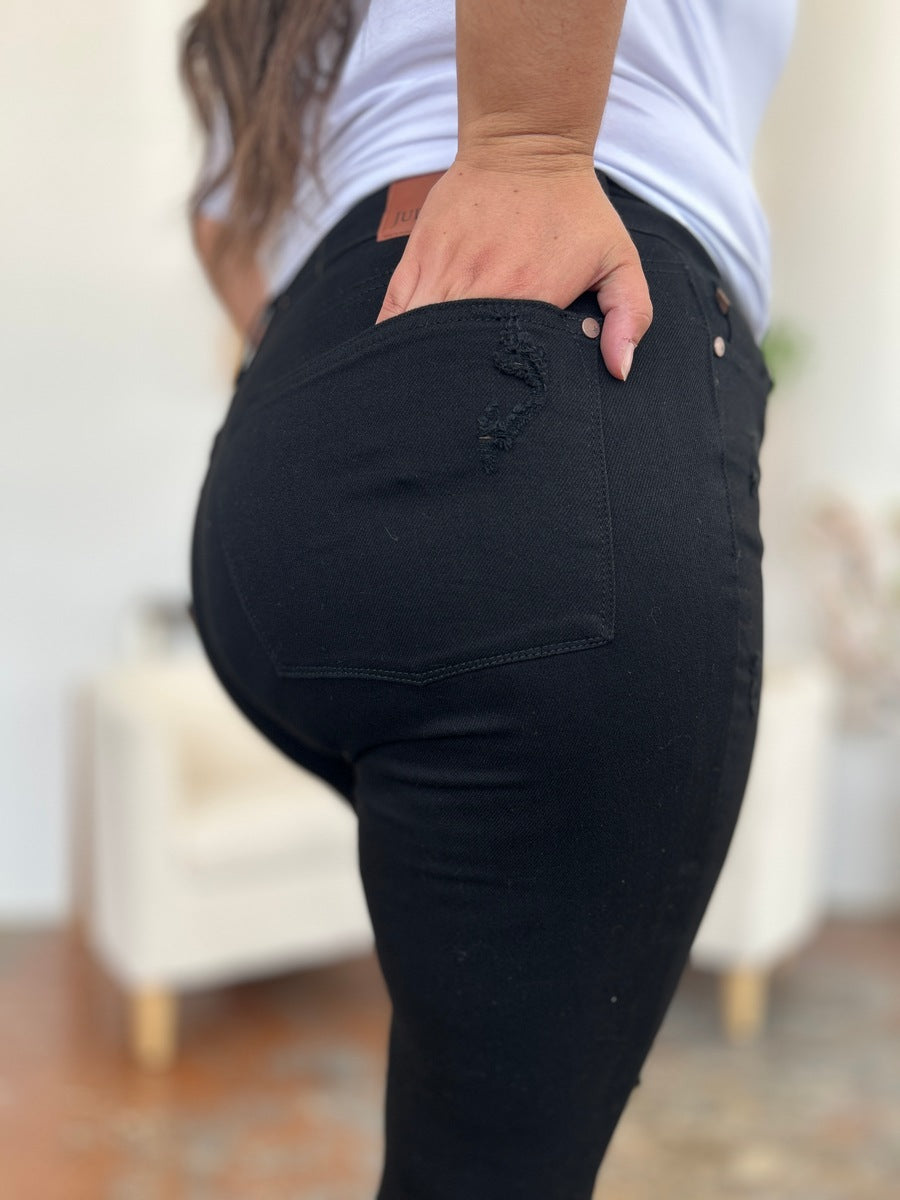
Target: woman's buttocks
422,497
465,484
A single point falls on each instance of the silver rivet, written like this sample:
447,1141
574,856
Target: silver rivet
719,346
591,327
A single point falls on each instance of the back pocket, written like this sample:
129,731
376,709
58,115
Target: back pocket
427,497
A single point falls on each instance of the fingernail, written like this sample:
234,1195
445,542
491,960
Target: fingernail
627,359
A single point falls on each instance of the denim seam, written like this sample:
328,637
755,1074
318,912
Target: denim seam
417,677
347,353
423,677
737,603
604,501
727,736
755,368
363,289
714,383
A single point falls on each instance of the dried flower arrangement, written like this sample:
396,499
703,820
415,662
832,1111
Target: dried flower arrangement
857,564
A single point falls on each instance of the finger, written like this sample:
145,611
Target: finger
390,307
624,300
400,289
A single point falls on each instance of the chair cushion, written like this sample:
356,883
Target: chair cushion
260,829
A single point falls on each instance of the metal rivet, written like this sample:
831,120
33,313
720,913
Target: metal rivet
591,327
723,300
719,346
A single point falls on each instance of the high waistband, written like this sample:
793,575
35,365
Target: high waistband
391,211
362,222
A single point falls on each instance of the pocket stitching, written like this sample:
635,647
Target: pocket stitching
605,612
412,323
604,498
286,671
345,297
416,677
467,664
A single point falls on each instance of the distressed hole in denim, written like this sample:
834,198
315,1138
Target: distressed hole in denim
520,356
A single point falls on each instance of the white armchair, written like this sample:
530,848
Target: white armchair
769,897
213,856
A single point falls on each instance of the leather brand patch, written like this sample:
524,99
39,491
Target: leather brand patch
405,198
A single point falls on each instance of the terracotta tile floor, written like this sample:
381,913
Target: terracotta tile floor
277,1091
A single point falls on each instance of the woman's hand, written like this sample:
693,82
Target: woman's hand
540,229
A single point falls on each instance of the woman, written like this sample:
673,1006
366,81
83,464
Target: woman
479,539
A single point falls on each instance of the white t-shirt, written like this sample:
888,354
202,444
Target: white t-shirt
689,88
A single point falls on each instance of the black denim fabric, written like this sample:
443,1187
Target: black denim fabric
510,608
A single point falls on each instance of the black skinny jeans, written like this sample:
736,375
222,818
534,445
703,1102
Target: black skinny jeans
511,609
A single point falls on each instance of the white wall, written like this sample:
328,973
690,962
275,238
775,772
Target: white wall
829,175
114,379
114,353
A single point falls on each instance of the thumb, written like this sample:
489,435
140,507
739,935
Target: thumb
624,300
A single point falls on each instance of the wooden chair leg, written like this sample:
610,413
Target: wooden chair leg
154,1017
743,994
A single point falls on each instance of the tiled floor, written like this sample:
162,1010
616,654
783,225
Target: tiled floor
277,1091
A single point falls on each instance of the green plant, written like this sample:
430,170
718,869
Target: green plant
786,348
